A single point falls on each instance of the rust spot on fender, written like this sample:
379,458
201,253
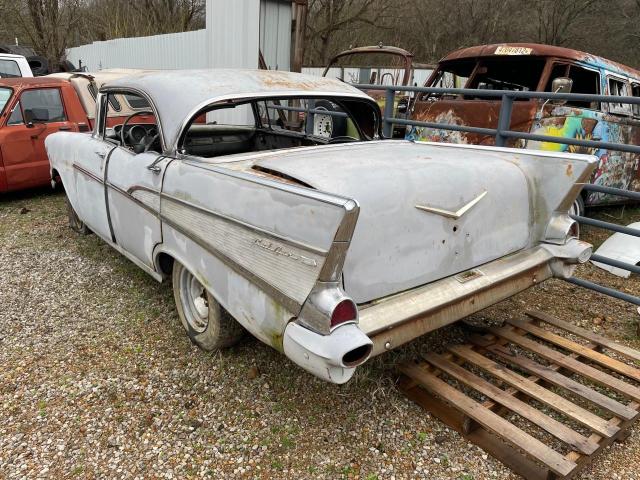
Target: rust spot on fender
569,170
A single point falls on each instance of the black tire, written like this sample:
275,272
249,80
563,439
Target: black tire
339,123
39,65
75,223
206,322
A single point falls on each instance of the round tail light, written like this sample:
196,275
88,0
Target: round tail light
345,311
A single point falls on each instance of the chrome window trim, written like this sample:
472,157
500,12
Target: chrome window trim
152,105
275,94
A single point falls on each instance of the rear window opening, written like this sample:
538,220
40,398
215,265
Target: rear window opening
271,124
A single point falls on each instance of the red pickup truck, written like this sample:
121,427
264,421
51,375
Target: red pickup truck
32,108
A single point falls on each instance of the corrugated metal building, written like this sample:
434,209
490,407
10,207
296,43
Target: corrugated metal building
235,30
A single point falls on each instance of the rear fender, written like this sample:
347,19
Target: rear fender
281,239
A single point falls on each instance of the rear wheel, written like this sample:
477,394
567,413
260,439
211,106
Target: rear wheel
578,207
75,223
207,323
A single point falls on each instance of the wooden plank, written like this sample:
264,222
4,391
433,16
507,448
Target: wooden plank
492,422
570,363
600,358
592,337
557,429
488,441
533,390
559,380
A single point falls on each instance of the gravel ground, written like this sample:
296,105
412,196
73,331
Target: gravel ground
98,380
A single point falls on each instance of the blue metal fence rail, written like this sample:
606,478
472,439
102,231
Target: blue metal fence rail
502,133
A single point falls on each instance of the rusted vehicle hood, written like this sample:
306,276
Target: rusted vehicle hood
398,242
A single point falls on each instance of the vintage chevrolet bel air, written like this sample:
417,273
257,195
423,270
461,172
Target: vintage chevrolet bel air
273,204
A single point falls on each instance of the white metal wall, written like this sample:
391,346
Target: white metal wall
352,74
275,33
233,28
170,51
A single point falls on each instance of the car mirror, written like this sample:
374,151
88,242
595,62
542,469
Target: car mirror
561,85
28,118
36,115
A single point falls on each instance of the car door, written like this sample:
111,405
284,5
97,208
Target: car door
37,113
90,160
134,182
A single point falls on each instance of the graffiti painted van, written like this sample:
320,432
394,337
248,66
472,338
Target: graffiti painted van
533,67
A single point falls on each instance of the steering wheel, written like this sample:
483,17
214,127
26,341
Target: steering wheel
146,140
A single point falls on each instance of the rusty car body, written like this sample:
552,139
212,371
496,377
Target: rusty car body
329,249
533,67
33,108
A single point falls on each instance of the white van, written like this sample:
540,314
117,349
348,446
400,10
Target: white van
14,66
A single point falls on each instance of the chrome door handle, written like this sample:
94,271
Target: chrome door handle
154,168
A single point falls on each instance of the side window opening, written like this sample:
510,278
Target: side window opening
115,105
618,88
136,102
584,81
635,92
9,69
139,134
16,117
558,70
43,105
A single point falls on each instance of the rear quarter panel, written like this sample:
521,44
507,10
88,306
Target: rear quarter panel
258,245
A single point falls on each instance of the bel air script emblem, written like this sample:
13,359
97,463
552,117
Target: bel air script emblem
458,213
280,250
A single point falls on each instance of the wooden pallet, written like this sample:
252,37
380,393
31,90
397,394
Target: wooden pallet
573,388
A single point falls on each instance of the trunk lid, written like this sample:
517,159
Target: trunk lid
426,212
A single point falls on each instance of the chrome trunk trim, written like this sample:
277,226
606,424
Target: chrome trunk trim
399,319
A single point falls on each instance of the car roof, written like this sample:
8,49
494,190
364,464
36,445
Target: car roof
11,55
542,50
100,77
179,94
25,82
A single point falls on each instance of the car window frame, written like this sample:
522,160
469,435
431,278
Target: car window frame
635,87
101,120
64,107
17,105
9,60
623,109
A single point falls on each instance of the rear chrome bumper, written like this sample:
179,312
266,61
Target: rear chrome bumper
399,319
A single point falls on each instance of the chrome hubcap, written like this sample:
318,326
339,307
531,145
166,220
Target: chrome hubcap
194,301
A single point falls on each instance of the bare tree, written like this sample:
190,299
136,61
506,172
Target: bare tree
558,22
47,24
107,19
332,23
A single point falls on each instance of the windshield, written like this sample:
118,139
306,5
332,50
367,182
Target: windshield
492,73
5,95
375,68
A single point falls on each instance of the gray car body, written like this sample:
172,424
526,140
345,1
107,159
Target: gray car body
393,225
